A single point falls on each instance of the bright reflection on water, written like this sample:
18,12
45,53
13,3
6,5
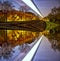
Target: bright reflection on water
9,53
46,52
19,43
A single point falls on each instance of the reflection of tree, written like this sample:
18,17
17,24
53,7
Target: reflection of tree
24,48
21,37
54,38
54,44
2,36
54,33
6,51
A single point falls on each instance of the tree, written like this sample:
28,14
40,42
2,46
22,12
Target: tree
24,8
54,16
4,8
0,5
7,6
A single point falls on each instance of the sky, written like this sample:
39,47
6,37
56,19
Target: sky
44,6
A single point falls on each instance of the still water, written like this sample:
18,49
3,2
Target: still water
15,44
45,52
8,53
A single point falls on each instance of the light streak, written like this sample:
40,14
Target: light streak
32,6
30,55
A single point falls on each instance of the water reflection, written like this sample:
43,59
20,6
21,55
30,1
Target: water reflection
16,43
54,37
6,51
45,52
20,42
25,40
9,53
